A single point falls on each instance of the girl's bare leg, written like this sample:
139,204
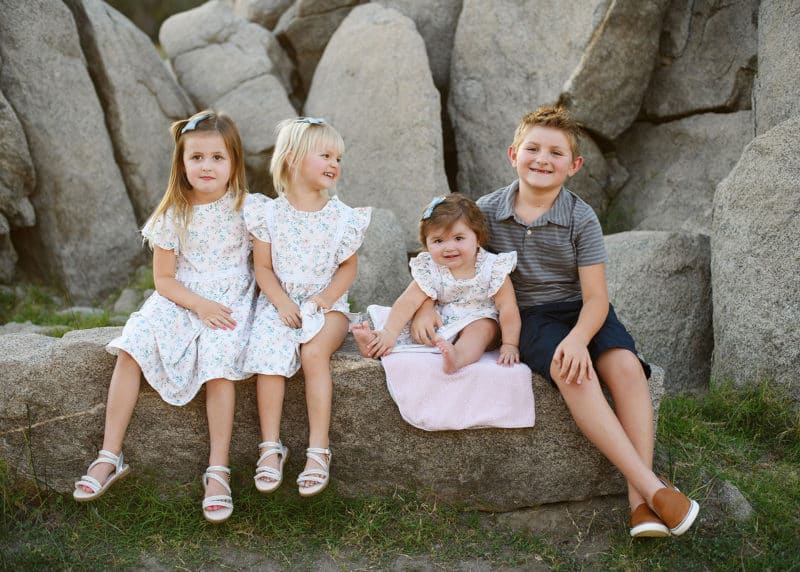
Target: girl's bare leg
622,373
270,390
598,422
220,406
123,392
470,345
315,357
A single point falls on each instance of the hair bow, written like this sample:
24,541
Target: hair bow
433,204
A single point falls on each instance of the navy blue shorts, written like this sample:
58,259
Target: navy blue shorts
546,325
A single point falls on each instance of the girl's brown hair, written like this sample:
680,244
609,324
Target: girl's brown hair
176,195
444,212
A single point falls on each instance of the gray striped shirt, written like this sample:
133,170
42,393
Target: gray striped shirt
550,249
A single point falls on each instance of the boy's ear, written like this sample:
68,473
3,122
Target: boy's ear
576,165
512,156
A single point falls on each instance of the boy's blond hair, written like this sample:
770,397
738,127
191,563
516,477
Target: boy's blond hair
555,117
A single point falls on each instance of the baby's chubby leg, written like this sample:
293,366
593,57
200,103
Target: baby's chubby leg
470,346
363,336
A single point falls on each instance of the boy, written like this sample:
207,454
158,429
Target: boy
570,334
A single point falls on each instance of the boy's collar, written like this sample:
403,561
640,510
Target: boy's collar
560,213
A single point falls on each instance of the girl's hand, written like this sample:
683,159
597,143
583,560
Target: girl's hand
214,315
321,302
381,344
289,313
509,355
424,325
573,362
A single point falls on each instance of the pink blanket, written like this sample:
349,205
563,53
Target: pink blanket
482,394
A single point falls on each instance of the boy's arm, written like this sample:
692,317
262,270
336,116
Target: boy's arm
425,323
212,314
510,323
572,355
342,279
401,312
288,311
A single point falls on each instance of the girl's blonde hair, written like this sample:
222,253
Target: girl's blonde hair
176,195
296,138
444,212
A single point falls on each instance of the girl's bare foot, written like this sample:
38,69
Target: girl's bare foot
363,336
448,355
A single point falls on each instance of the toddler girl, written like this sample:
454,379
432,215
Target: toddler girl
470,286
304,251
190,332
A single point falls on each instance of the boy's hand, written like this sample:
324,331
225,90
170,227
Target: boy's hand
424,325
573,362
214,315
509,355
289,313
382,343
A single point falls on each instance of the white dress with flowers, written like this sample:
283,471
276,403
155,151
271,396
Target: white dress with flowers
458,301
176,352
307,249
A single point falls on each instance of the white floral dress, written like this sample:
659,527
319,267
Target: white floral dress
307,249
458,301
176,352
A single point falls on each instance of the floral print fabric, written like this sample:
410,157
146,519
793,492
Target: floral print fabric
176,352
307,249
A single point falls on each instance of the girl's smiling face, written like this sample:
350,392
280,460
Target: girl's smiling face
455,247
207,165
320,169
544,160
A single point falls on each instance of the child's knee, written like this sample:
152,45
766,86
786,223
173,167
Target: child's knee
619,363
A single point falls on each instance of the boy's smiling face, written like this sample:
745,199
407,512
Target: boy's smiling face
544,159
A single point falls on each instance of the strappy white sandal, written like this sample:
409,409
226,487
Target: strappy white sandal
225,501
320,476
120,470
263,472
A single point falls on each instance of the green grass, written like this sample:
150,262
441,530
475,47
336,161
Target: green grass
749,437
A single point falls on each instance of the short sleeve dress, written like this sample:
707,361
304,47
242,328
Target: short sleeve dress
176,352
458,301
307,249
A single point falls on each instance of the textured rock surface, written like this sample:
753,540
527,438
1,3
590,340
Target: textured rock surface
660,285
778,80
707,58
262,12
382,263
250,74
394,158
139,95
674,170
54,394
755,263
85,238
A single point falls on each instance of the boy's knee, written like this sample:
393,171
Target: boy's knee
619,362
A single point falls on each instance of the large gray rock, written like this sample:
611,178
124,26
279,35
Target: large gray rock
755,263
387,109
54,403
707,58
778,79
250,74
382,263
605,91
499,73
262,12
660,285
86,236
306,28
139,95
674,169
437,26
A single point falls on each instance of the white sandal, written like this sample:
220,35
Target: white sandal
264,472
225,501
120,470
320,476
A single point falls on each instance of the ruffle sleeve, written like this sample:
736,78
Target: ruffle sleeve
162,232
355,223
504,264
426,274
256,219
